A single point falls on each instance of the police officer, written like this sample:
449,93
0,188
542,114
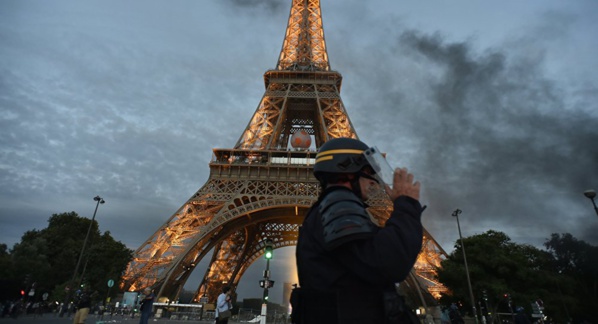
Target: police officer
347,265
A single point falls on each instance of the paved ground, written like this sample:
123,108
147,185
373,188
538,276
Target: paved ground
92,319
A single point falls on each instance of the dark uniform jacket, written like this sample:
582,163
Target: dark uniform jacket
345,284
84,300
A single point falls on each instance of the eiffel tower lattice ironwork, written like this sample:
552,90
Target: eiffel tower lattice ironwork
262,188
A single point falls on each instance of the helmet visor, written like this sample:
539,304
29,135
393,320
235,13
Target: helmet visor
384,172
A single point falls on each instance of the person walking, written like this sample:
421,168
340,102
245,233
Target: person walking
455,315
146,306
223,306
83,305
347,265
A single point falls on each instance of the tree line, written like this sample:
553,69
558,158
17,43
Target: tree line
42,264
506,276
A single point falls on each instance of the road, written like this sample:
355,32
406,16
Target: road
51,318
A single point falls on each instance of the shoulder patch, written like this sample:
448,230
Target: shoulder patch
344,218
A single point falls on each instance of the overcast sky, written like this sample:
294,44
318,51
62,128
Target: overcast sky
492,104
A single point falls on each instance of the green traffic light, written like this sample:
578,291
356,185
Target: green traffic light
268,253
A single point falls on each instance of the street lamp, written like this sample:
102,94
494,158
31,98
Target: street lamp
475,315
268,248
99,200
591,194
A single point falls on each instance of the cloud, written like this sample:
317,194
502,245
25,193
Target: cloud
487,132
274,6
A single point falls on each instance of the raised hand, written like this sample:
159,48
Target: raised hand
403,185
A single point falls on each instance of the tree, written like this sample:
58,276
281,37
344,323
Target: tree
576,265
511,274
97,269
48,257
30,263
10,286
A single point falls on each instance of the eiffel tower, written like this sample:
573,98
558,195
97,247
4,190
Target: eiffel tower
261,189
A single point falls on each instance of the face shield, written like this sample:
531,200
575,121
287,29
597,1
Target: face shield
384,172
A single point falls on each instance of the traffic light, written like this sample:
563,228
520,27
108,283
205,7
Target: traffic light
268,250
22,292
484,303
266,283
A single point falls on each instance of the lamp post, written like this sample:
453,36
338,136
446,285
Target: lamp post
456,214
268,245
99,200
591,194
